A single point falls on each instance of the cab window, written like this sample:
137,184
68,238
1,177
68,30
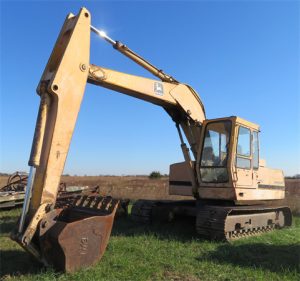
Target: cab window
243,160
214,154
255,150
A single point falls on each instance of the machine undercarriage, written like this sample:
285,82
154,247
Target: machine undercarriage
222,222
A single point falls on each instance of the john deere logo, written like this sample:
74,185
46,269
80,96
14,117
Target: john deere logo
158,88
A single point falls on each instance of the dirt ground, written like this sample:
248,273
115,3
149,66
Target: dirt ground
141,187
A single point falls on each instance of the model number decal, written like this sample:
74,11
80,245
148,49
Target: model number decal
158,88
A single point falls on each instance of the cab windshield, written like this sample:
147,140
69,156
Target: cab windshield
214,154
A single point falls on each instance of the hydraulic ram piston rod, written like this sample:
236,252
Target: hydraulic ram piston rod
27,198
102,34
135,57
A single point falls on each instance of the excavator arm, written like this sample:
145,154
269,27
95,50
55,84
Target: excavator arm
61,90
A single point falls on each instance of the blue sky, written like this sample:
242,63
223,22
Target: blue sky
242,57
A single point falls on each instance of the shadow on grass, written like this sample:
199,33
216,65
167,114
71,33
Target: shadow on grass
8,223
182,229
276,258
17,262
7,226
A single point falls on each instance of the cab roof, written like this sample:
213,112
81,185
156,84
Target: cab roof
237,120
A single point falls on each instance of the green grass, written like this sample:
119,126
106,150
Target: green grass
169,251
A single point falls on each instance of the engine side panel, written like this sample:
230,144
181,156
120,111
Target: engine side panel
179,180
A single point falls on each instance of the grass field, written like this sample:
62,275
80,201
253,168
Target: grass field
169,251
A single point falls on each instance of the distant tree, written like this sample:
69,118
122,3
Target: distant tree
297,176
155,175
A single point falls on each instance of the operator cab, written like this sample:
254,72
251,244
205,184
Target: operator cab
224,151
228,165
228,152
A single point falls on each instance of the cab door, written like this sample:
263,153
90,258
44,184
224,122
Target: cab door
243,158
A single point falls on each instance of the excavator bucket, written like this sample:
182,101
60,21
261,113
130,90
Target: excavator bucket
76,236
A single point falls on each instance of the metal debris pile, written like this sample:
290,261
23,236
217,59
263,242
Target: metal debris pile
12,194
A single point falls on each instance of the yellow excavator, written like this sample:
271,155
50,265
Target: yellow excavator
221,167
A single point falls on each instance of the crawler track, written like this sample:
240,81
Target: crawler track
232,223
141,211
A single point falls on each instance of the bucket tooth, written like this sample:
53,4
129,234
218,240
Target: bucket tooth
100,203
77,200
83,201
89,201
97,202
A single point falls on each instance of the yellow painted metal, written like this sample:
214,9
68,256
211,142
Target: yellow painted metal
31,228
64,80
189,101
135,86
246,123
39,134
